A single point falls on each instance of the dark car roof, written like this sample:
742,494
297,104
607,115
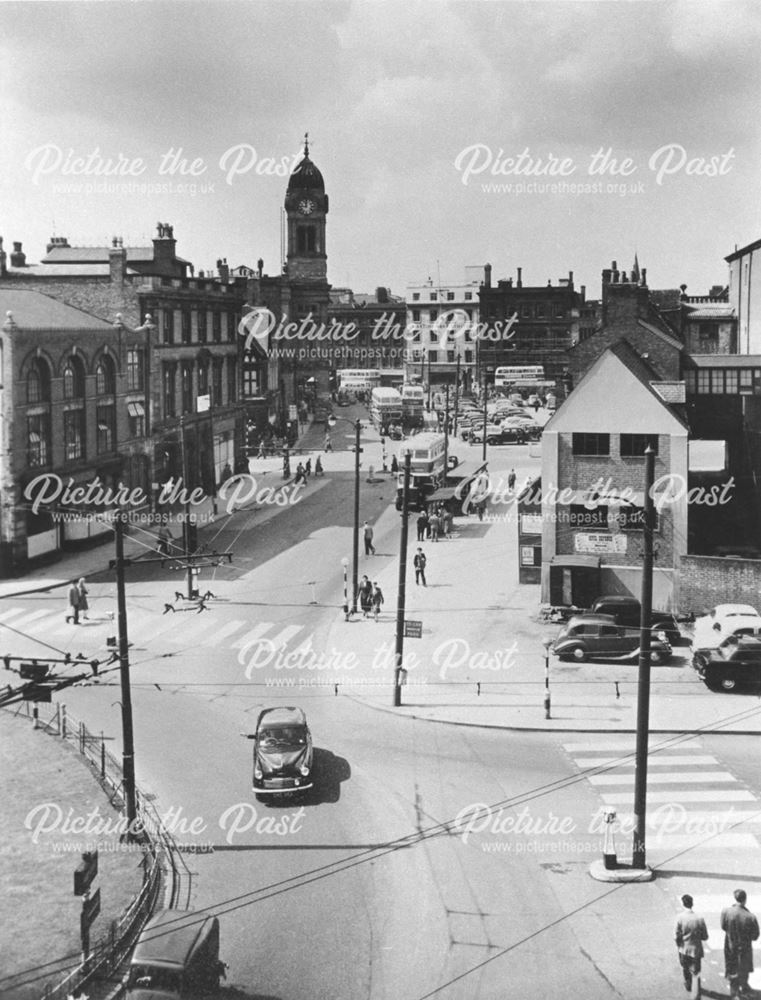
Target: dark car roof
592,619
170,936
290,716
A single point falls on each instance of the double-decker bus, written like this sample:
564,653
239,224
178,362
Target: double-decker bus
519,375
413,404
385,408
358,379
426,468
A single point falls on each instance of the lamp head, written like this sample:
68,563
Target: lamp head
344,562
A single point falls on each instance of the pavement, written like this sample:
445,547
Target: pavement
485,666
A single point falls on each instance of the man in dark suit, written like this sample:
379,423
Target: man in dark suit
741,930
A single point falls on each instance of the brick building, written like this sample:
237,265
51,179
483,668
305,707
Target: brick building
379,322
593,480
193,360
74,404
546,322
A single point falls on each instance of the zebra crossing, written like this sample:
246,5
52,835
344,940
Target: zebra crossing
29,631
696,809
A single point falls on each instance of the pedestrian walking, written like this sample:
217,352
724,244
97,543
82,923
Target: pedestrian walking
318,469
368,535
73,606
82,590
481,507
261,453
328,443
300,474
511,480
689,934
740,931
376,600
434,522
446,523
394,464
308,468
365,593
162,542
422,525
419,563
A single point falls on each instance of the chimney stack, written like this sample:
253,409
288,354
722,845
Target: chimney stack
519,282
3,258
570,278
223,269
381,295
643,279
260,266
117,261
18,257
487,275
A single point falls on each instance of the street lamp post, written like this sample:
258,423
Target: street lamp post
332,421
547,643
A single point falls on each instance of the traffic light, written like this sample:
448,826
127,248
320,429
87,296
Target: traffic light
36,692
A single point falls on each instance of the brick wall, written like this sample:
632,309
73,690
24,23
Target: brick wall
704,581
581,472
663,357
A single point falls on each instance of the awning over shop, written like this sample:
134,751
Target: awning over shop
573,561
442,494
611,498
466,470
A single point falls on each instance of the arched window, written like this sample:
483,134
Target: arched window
105,379
73,380
38,382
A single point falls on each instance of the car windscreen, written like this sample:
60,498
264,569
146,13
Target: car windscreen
274,736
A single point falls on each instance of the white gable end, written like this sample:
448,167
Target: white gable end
611,400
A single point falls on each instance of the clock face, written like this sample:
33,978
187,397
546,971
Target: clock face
307,206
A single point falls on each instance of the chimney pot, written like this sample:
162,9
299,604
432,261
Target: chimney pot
519,282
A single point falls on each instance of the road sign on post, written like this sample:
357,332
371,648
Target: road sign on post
413,629
85,872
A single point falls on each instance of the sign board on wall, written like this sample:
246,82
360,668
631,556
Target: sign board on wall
599,542
531,524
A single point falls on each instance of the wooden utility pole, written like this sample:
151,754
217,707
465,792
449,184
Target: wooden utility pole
402,585
128,753
643,684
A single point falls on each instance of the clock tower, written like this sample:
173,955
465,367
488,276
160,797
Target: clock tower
306,206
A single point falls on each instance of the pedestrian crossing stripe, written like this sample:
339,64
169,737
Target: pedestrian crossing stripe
45,622
729,818
682,777
628,744
653,760
706,795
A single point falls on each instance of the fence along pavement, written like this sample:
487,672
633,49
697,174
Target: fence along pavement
163,865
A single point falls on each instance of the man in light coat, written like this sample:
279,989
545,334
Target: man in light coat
690,933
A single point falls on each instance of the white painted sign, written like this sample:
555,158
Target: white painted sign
203,403
599,541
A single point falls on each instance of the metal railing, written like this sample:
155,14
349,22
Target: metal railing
163,865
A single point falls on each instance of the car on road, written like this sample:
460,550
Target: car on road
707,639
627,611
283,753
725,616
176,957
598,637
735,663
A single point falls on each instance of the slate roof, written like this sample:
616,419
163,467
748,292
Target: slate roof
34,311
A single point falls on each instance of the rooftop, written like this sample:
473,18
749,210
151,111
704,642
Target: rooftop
32,310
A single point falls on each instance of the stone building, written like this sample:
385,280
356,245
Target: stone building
74,411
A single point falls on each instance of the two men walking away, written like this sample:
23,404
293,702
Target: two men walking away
740,928
690,933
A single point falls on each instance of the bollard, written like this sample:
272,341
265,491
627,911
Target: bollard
547,704
609,848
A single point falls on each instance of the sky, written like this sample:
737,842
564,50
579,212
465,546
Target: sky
439,128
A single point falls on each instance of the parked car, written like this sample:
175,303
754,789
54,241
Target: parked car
283,753
593,636
493,434
726,616
627,611
735,663
707,639
176,956
513,435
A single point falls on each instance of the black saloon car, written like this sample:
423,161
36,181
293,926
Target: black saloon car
282,752
735,663
598,637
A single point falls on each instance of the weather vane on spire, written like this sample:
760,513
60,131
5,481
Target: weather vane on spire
306,144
